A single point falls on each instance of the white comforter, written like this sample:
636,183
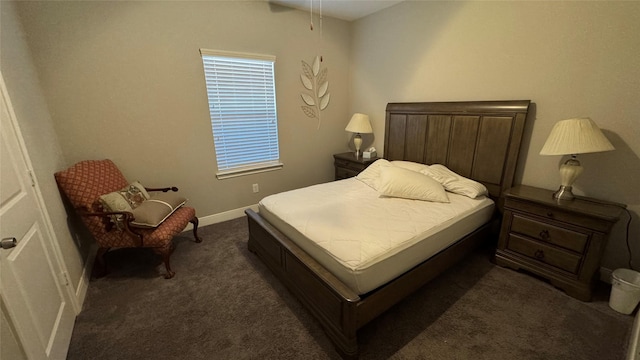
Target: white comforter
367,240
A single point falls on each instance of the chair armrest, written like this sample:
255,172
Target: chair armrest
173,188
128,218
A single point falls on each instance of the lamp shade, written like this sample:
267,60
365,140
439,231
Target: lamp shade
359,124
575,136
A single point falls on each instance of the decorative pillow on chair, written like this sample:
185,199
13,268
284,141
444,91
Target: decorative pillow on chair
408,184
154,211
125,199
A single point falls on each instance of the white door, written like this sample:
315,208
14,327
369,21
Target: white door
36,307
10,348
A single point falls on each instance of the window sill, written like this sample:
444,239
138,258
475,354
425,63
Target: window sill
242,172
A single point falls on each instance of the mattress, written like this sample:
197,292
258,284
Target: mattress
366,240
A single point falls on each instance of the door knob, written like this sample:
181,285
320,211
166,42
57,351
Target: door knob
8,243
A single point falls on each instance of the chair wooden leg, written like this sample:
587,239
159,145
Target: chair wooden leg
195,221
166,252
100,266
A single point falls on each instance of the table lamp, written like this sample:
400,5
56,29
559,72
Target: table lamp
359,124
572,137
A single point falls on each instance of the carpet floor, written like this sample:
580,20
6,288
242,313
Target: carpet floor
224,303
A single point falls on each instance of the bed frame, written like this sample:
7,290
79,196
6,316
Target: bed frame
480,140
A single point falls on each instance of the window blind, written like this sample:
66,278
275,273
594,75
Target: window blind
242,107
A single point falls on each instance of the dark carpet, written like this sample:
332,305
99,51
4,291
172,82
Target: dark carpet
224,303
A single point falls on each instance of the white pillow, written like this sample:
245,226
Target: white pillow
371,174
455,183
410,165
408,184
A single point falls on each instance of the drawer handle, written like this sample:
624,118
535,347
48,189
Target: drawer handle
539,254
544,235
550,214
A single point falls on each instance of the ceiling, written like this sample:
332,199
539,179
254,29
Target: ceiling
342,9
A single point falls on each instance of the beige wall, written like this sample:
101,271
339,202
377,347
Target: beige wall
40,138
570,58
124,80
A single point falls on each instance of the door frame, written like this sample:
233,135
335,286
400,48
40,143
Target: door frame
48,225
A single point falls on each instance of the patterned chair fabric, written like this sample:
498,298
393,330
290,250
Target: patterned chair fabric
84,183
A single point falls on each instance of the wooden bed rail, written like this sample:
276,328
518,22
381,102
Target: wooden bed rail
324,295
339,309
479,139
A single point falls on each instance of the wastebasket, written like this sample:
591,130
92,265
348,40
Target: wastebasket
625,290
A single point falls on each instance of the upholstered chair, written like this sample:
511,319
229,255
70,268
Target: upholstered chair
89,186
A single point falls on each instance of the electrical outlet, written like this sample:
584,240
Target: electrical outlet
256,188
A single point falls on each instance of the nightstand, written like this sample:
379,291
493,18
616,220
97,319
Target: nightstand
347,165
561,241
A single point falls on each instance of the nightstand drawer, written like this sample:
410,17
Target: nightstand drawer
348,165
343,173
340,163
544,253
558,215
561,241
565,238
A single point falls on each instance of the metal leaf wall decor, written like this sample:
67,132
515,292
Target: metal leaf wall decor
315,80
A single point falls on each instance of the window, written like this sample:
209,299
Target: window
242,107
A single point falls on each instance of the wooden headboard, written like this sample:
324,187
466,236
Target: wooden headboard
477,139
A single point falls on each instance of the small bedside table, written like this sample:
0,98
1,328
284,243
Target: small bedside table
561,241
347,165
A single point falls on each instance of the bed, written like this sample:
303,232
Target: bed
478,140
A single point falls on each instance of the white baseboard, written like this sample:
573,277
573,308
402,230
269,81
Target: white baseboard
85,277
221,217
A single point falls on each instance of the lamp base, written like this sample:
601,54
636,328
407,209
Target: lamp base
357,143
569,172
563,193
